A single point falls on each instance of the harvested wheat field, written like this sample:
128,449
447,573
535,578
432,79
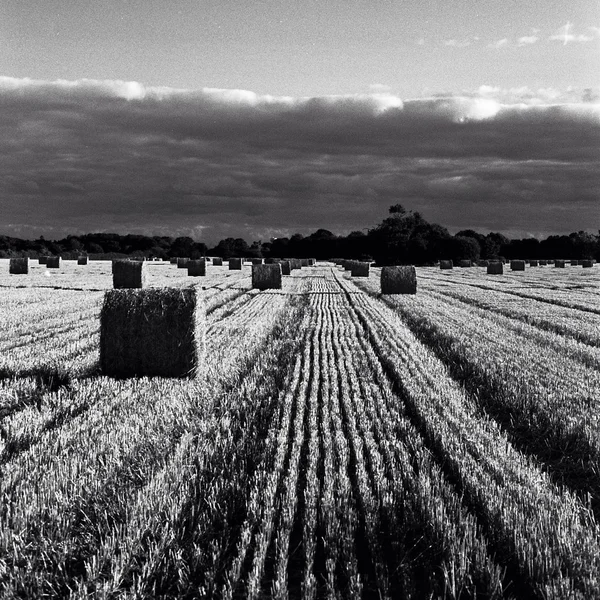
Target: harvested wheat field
335,442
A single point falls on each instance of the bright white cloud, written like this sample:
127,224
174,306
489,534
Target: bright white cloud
564,34
457,43
503,43
527,40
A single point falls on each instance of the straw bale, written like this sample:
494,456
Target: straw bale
465,263
574,263
495,268
483,263
286,267
152,332
217,261
43,260
197,268
587,263
312,262
542,262
173,260
560,264
54,262
446,264
533,263
129,274
18,266
266,277
347,264
295,263
399,280
517,265
235,264
360,269
182,263
82,260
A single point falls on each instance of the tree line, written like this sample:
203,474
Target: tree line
403,237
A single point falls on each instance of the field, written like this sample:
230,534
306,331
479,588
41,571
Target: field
338,443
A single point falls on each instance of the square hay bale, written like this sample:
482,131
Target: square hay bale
360,269
587,263
286,267
82,260
533,263
197,268
266,277
217,261
256,261
54,262
153,332
173,260
399,280
446,264
18,266
43,260
296,263
129,274
182,263
235,264
465,263
495,268
559,264
542,262
517,265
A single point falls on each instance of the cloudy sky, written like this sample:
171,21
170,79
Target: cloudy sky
262,118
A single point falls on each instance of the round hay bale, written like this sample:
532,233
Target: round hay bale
197,268
182,263
18,266
286,267
54,262
542,262
587,263
153,332
559,264
483,263
495,268
217,261
347,264
465,263
312,262
533,263
43,260
82,260
266,277
359,269
256,261
304,262
446,264
173,260
517,265
399,280
574,263
235,264
129,274
295,263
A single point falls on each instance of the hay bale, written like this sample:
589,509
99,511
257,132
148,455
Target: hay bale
182,263
533,263
217,261
304,262
256,261
153,332
483,263
173,260
465,263
559,264
43,260
446,264
360,269
286,267
587,263
495,268
312,262
235,264
517,265
54,262
129,274
197,268
398,280
574,263
347,264
18,266
542,262
83,260
266,277
295,263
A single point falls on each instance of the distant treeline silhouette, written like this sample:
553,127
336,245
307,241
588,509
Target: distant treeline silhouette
404,237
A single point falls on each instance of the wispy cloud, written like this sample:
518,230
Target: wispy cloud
457,43
121,156
503,43
564,34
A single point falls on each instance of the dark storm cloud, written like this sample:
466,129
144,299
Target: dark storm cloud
87,156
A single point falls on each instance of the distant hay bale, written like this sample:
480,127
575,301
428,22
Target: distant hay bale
495,268
286,267
446,264
54,262
235,264
83,260
18,266
533,263
347,264
465,263
197,268
182,263
256,261
587,263
266,277
574,263
483,263
129,274
312,262
398,280
43,260
295,263
304,262
153,332
542,262
217,261
559,264
173,260
517,265
360,269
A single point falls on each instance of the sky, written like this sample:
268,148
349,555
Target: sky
260,119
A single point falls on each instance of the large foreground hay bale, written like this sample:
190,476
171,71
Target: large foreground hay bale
586,264
559,264
360,269
495,268
197,268
399,280
18,266
266,277
517,265
82,260
182,263
153,332
129,274
286,267
54,262
217,261
446,264
235,264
